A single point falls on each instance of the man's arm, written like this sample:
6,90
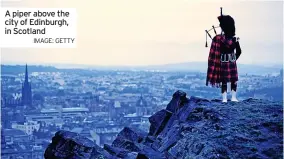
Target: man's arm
238,49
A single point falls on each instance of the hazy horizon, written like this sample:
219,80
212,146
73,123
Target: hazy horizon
145,65
129,33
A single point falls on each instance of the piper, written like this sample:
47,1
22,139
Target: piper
222,60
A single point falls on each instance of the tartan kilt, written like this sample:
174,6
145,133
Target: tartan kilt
229,72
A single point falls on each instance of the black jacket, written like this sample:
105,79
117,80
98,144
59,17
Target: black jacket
238,49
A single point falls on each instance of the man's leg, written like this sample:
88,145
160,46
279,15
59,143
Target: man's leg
224,92
234,91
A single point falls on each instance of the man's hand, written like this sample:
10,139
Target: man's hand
236,39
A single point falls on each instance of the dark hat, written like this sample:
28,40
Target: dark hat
227,23
226,19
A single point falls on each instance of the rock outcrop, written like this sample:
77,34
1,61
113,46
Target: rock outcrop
189,128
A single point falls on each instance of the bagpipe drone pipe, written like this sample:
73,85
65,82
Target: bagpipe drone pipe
217,30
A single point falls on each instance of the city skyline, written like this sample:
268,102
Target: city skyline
102,105
158,32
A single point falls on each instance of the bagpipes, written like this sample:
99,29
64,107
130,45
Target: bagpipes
214,28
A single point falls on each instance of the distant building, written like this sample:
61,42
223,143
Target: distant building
26,90
65,112
115,111
3,141
105,134
27,127
22,151
10,101
94,102
142,107
105,138
14,136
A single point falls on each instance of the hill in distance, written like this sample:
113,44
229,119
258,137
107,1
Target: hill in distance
176,67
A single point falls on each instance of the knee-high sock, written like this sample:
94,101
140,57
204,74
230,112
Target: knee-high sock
224,87
234,86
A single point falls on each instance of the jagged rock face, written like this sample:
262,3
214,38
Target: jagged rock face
69,145
197,128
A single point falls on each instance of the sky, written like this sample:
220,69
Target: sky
153,32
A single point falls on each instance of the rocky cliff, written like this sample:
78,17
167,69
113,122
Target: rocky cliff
189,128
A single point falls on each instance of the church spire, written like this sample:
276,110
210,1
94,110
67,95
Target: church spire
26,90
26,74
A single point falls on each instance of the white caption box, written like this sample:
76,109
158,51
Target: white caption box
39,32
